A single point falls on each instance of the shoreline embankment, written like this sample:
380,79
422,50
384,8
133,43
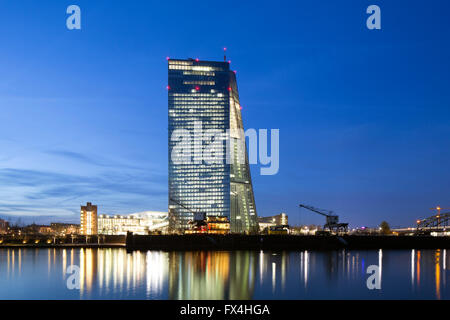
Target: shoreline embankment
230,242
283,242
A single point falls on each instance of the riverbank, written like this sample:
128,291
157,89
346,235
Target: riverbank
283,242
70,241
63,246
232,242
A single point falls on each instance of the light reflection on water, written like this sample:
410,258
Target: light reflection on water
116,274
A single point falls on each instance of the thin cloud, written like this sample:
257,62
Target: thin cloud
97,161
44,192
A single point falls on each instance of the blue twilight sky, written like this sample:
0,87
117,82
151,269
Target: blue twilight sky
364,116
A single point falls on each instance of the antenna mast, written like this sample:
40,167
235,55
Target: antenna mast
225,54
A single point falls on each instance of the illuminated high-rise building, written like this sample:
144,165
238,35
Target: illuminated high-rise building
88,220
204,101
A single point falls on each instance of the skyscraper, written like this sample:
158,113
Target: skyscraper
88,220
204,101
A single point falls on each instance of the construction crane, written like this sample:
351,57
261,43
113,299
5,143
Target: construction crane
438,210
198,216
332,221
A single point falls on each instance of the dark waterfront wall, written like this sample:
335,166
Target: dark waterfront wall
282,242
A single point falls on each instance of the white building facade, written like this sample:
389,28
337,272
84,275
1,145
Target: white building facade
141,223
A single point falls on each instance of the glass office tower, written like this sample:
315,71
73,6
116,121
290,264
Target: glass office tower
204,106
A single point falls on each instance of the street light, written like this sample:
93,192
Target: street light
439,209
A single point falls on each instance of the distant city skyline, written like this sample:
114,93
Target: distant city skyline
364,115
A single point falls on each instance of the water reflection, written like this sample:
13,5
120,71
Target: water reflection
212,275
438,274
380,265
117,274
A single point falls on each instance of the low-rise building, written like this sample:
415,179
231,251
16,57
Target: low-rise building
4,225
65,228
34,229
211,225
309,230
45,230
278,220
138,223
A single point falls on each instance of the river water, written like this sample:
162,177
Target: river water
116,274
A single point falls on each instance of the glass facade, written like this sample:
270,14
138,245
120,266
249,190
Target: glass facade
204,105
142,223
